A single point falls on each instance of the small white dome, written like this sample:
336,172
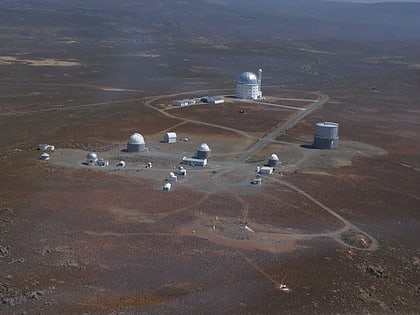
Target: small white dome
92,156
274,157
171,174
247,78
136,138
204,147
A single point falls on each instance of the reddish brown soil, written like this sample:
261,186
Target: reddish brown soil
256,118
76,241
282,207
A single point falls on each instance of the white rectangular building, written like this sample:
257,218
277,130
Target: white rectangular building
266,170
194,161
212,100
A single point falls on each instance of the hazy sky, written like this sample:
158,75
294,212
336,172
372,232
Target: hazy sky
376,1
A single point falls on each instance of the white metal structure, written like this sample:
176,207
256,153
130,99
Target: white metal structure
169,137
326,135
167,187
266,170
46,147
121,164
194,162
101,162
44,157
136,143
182,171
172,177
248,86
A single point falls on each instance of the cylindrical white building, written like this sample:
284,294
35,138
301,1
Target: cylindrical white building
136,143
248,86
326,135
203,151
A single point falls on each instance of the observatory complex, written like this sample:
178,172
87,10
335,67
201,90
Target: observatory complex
248,86
326,135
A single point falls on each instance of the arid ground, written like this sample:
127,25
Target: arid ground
331,231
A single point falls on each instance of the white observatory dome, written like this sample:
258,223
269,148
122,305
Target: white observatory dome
203,151
136,143
92,156
248,86
136,138
204,147
273,160
247,78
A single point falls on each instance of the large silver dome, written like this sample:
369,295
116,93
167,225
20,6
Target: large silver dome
247,78
136,138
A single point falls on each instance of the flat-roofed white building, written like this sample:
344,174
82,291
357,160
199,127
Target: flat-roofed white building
266,170
194,161
213,99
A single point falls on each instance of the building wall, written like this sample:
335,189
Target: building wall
135,147
325,143
194,162
248,91
203,154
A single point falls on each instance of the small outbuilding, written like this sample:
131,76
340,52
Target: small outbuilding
46,147
44,157
172,177
169,137
121,164
182,171
184,102
167,187
102,163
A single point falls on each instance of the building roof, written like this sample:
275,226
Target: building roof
327,124
136,138
274,157
204,147
92,156
247,78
